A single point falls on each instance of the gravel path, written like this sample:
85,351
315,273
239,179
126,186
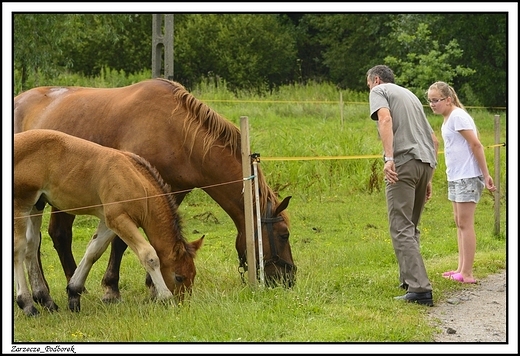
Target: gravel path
476,314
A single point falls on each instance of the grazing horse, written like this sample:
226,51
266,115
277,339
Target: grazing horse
120,188
190,145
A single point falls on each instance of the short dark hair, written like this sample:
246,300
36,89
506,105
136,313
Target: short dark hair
383,72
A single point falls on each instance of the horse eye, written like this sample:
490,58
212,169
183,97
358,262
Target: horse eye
284,237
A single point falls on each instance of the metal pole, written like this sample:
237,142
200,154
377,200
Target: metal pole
256,159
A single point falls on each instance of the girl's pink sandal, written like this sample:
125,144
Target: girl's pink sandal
458,277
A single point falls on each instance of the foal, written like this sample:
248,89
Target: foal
122,189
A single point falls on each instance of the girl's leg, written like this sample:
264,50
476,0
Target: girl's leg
459,238
465,221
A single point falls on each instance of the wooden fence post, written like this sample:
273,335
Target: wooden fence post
341,108
248,200
497,175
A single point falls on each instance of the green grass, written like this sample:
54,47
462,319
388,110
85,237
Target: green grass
347,271
347,276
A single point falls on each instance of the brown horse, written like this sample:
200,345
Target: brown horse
122,189
189,144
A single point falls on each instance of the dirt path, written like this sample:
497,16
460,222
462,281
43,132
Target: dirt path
476,314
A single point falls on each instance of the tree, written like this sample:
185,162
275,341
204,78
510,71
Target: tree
346,44
471,48
248,51
80,43
425,61
38,45
483,40
119,41
262,51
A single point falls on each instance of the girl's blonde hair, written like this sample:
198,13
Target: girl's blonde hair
446,91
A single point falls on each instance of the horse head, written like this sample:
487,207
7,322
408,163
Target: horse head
278,261
279,267
178,270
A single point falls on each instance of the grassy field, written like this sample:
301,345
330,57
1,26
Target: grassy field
347,270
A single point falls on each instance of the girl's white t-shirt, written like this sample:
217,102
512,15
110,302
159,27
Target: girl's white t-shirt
459,158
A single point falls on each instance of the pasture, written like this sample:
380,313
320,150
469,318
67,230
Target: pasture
347,271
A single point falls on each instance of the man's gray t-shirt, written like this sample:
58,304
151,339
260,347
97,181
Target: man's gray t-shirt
412,131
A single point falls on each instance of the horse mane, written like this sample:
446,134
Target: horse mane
268,195
146,168
201,117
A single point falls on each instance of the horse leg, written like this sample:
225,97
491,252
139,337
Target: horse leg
179,197
125,228
23,294
110,280
60,231
39,286
96,246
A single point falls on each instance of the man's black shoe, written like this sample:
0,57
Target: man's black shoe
425,298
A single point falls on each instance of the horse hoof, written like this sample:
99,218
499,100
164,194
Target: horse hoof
110,300
111,297
31,311
74,305
51,306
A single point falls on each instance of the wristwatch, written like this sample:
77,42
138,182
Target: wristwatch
388,159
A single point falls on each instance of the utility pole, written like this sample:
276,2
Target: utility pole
162,46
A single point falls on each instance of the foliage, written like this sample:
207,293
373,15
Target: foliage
52,44
248,51
122,42
423,61
483,39
260,52
38,45
348,45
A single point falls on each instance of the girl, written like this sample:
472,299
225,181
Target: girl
466,170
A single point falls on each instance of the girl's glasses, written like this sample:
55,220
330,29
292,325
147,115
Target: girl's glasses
435,101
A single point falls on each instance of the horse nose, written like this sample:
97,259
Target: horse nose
285,276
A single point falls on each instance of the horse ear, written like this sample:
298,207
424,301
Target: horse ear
282,206
197,243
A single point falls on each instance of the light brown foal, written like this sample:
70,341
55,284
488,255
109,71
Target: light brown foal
122,189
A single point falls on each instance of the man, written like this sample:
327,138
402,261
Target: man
410,154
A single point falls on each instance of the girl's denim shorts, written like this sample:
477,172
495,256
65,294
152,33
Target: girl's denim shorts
466,190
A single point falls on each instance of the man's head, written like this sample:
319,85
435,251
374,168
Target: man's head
379,74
